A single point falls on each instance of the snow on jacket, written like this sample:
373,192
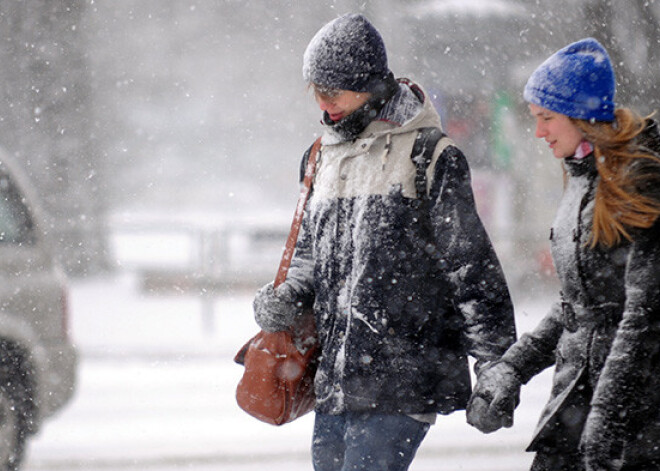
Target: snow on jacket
605,334
404,289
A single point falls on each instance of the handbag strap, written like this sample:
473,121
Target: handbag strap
305,190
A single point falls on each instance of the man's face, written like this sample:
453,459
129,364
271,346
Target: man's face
558,130
340,103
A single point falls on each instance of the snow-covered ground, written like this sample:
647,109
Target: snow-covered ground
156,392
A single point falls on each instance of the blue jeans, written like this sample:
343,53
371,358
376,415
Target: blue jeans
365,442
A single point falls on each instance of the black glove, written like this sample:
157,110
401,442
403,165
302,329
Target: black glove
494,398
601,444
277,309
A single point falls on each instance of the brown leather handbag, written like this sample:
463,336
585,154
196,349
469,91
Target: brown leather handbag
278,381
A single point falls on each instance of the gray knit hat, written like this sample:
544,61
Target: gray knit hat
346,54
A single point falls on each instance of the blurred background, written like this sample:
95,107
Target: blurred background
132,117
164,138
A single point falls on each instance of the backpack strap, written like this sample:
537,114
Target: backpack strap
422,155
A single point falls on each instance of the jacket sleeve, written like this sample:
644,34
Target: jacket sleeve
636,343
301,272
535,351
478,287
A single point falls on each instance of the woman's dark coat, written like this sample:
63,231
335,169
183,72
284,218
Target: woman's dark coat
604,336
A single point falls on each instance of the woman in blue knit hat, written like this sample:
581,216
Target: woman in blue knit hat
604,333
402,276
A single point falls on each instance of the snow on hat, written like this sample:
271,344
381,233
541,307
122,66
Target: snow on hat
347,54
577,81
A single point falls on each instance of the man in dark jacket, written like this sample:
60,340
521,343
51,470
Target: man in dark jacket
393,257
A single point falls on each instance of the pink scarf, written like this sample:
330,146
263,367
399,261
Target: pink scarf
585,148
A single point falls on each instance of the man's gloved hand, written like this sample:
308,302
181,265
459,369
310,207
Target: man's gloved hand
494,398
601,442
277,309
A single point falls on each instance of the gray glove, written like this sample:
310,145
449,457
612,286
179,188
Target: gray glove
494,398
277,309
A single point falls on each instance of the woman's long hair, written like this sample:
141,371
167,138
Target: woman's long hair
619,206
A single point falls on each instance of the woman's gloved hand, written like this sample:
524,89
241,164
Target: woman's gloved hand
494,398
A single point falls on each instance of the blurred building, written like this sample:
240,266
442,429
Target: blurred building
229,139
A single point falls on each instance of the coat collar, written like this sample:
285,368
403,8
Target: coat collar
399,115
578,167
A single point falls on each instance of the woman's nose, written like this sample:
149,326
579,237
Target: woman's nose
540,130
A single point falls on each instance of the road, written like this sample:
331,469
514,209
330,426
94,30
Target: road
155,393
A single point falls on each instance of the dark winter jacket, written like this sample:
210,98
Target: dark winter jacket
605,334
404,288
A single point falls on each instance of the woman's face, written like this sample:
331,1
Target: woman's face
340,103
558,130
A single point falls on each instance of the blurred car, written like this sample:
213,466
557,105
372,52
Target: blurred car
37,358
